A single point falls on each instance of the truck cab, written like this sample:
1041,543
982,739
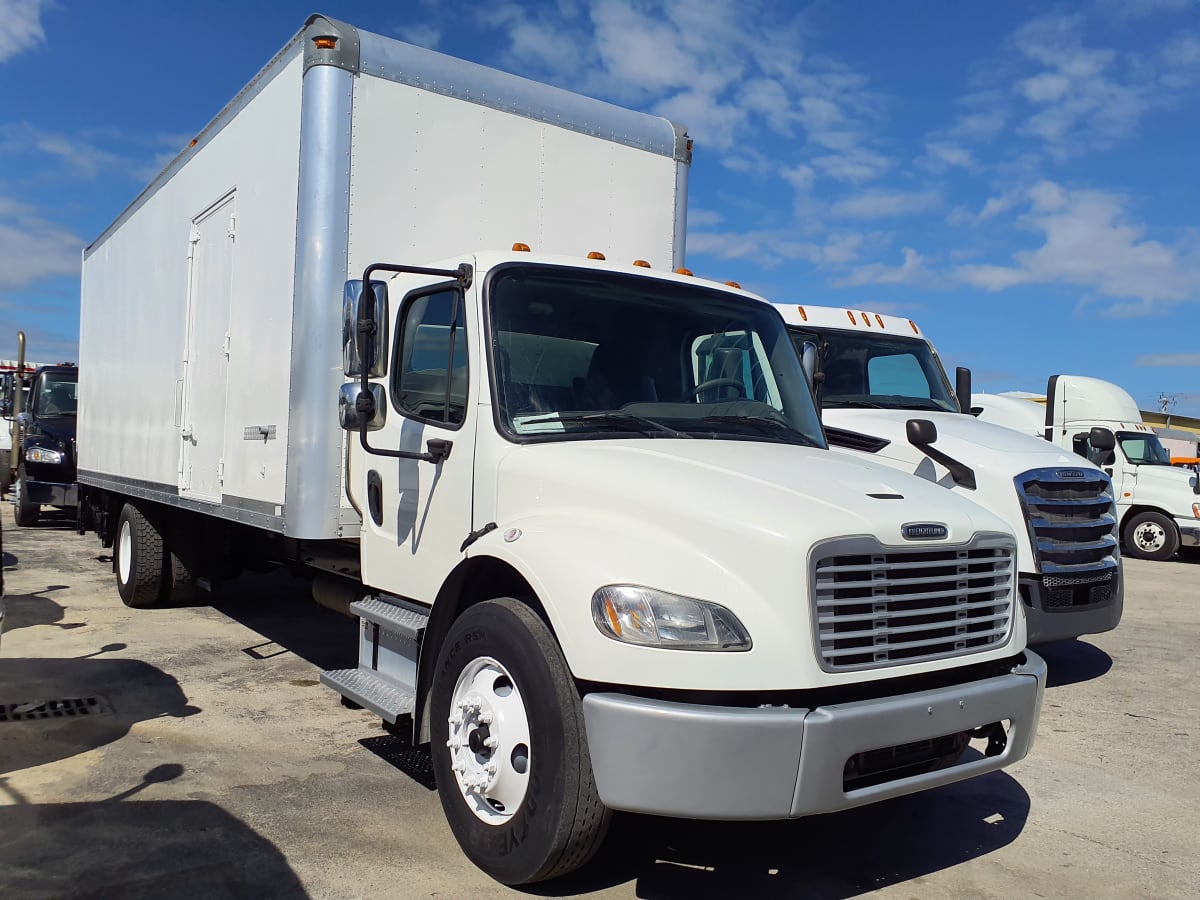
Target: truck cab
46,461
878,378
1158,504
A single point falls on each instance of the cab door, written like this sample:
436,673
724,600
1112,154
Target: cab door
417,512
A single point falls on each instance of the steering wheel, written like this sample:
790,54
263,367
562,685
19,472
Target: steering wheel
720,382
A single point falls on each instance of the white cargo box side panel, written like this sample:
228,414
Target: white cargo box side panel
432,175
134,325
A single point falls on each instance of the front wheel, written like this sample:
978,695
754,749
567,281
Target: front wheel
25,511
509,747
1151,535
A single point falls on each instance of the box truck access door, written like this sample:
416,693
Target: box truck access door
206,365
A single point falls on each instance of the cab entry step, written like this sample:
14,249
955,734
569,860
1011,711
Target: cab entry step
390,634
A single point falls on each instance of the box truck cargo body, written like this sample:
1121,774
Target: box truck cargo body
877,374
567,547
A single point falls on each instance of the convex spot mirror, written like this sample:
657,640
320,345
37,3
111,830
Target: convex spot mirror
1102,439
369,351
351,416
808,361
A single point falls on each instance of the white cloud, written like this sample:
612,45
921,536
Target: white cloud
857,165
703,218
22,27
1089,240
912,271
942,155
771,247
422,35
799,177
875,204
1168,360
33,248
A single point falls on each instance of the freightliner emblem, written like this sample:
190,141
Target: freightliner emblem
1070,473
924,531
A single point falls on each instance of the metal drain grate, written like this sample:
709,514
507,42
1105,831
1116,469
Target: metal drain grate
69,708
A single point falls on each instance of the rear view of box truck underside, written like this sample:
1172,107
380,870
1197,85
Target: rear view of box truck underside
228,269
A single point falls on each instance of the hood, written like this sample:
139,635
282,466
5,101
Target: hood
779,493
981,445
1168,487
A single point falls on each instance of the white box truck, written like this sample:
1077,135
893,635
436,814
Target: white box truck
585,578
1158,506
878,378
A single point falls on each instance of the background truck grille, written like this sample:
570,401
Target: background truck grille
889,606
1071,524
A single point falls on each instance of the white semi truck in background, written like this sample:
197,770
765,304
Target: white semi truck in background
885,396
587,577
1158,505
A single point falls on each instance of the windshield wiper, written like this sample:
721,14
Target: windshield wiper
645,425
852,404
766,425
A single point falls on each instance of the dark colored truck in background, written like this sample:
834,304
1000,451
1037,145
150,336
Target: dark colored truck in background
45,459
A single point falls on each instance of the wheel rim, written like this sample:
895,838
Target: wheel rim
124,549
489,741
1150,537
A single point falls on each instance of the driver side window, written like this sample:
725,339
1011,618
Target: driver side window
429,380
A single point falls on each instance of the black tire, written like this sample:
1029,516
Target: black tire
6,478
1150,535
560,822
25,512
183,564
139,559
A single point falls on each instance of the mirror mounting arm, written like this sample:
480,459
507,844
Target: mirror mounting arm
437,449
921,434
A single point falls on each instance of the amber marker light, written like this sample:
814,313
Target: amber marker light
734,284
325,42
641,264
595,254
866,320
803,314
682,271
518,247
850,316
915,329
879,320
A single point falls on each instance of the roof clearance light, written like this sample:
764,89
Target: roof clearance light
915,329
866,320
850,316
595,254
325,42
641,264
803,314
734,284
879,319
518,247
682,271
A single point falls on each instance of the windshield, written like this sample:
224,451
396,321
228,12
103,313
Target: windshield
878,370
1143,449
56,394
578,353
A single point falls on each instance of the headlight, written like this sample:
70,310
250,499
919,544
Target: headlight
42,455
641,615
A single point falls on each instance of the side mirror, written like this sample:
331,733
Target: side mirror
360,350
353,410
962,389
921,432
24,419
808,361
1102,439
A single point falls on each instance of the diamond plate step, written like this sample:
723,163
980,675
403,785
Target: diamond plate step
402,619
370,691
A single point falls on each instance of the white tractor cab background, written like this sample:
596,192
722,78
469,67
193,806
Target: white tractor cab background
885,396
1157,504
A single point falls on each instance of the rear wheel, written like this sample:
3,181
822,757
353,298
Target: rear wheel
25,512
1151,535
509,747
139,559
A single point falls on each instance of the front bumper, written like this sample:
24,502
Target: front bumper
1189,532
1046,622
710,762
48,493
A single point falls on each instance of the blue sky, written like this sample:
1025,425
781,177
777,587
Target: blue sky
1018,177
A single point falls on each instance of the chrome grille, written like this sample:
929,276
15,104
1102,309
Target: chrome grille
886,606
1071,523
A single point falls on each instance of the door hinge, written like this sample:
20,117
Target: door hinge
220,471
193,240
225,345
232,232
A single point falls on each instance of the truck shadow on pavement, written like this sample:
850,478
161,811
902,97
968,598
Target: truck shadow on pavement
53,709
27,610
1072,662
140,848
838,855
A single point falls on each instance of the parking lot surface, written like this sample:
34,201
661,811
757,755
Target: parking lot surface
193,753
